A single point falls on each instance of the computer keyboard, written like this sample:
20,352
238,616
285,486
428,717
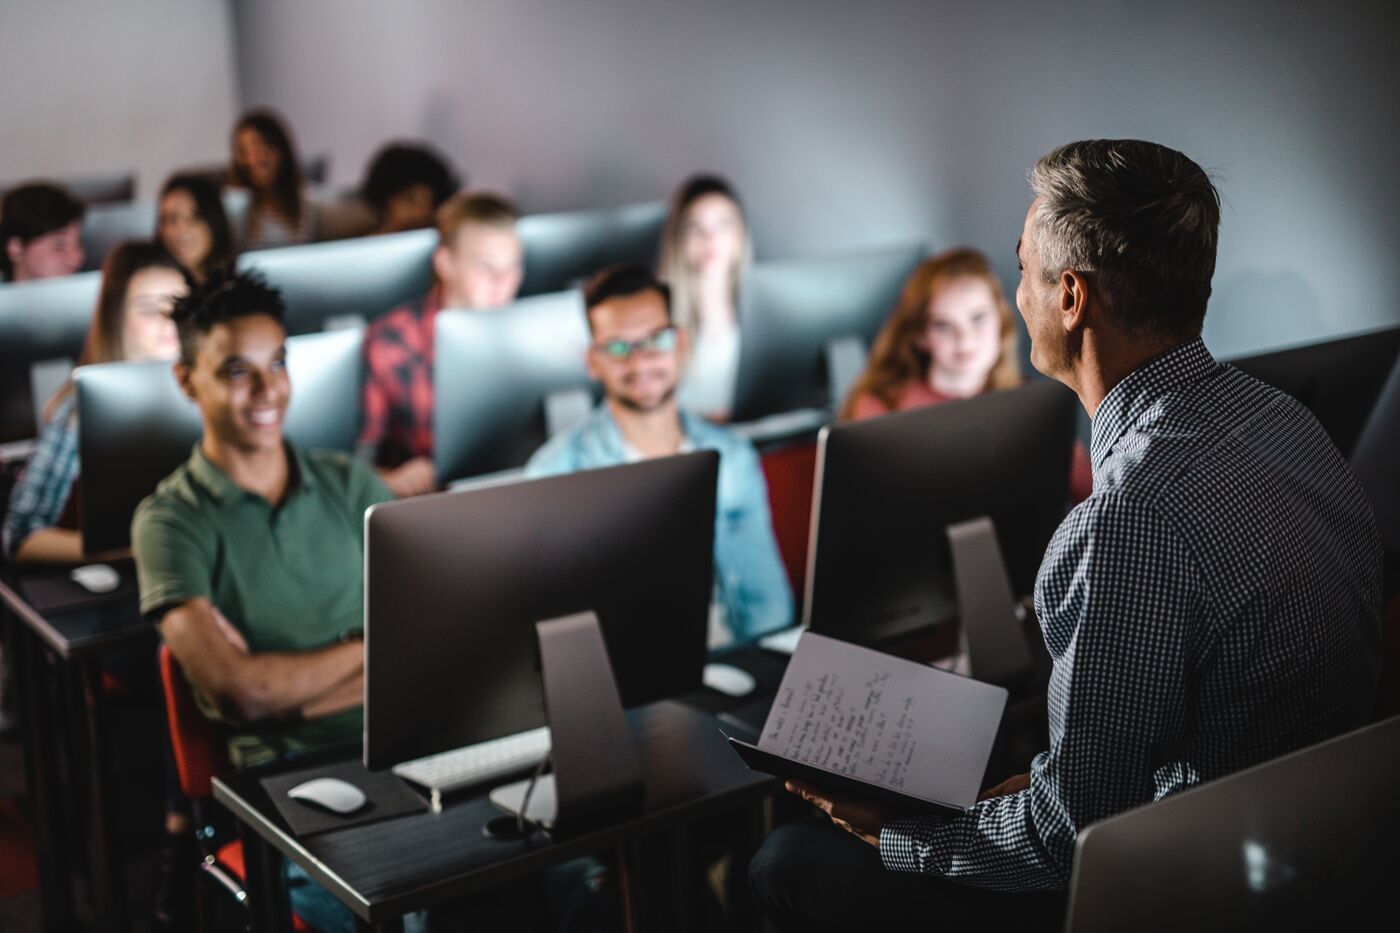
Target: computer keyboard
476,764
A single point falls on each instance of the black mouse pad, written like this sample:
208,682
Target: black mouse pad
386,795
52,592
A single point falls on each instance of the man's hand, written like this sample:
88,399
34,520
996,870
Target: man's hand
857,817
1012,785
413,478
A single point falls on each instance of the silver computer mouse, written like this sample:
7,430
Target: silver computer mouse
330,793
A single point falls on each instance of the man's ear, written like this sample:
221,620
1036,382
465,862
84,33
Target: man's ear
182,379
14,248
1074,300
442,262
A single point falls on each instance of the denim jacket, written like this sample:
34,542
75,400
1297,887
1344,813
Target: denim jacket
749,575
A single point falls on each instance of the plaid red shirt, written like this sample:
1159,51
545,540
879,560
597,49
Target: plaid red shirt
399,382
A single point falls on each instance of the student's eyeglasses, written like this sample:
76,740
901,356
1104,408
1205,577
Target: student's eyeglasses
658,341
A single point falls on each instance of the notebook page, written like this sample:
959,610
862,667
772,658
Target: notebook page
885,720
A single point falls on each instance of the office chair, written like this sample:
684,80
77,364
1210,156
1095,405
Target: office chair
789,472
199,756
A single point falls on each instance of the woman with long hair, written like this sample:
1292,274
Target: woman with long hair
951,336
705,254
192,226
265,162
140,282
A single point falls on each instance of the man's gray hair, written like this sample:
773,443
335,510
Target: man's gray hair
1140,221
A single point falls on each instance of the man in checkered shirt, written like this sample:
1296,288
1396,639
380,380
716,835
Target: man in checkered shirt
1215,603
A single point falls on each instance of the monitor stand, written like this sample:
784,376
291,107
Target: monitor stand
597,776
996,647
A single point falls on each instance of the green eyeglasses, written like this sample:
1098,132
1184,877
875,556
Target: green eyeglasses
658,341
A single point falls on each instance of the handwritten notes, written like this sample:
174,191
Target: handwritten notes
883,720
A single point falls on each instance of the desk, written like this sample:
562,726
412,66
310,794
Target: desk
386,869
69,642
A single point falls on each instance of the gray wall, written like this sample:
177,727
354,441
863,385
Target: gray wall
849,123
92,87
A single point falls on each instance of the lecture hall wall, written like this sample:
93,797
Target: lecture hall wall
844,122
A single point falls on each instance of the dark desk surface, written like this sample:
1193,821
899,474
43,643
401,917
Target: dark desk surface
385,869
68,619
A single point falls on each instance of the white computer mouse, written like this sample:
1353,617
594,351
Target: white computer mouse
96,578
331,793
728,679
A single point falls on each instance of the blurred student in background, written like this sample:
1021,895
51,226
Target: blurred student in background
636,354
40,233
478,263
951,336
705,253
265,163
140,283
192,226
405,185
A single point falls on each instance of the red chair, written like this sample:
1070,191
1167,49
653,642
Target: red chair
200,755
791,472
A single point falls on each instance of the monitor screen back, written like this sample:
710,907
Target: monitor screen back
39,321
135,426
1304,842
360,278
1338,380
492,373
561,250
887,488
107,225
456,582
793,308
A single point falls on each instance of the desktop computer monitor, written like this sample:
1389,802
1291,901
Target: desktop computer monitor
791,311
455,582
135,426
1303,842
493,372
347,279
1338,380
887,488
107,225
39,322
561,250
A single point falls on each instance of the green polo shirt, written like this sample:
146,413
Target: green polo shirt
289,577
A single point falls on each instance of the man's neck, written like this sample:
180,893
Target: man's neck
655,433
264,472
1102,363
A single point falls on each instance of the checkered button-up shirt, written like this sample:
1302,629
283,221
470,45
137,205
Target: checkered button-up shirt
398,394
1216,602
41,495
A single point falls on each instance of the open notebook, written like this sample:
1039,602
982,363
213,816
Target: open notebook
858,722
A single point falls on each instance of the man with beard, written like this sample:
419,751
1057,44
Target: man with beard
636,355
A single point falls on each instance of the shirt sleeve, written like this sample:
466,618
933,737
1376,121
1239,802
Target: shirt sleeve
173,564
867,405
363,488
1117,703
43,489
755,586
375,397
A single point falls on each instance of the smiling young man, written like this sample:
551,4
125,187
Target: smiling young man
250,555
636,355
1213,604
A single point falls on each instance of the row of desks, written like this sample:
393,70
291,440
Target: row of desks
57,637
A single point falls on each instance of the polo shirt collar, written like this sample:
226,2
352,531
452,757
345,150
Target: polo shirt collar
217,483
1128,401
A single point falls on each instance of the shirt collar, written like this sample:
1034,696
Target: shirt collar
1126,402
617,444
217,483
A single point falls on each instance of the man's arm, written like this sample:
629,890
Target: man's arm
751,570
1118,694
246,686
